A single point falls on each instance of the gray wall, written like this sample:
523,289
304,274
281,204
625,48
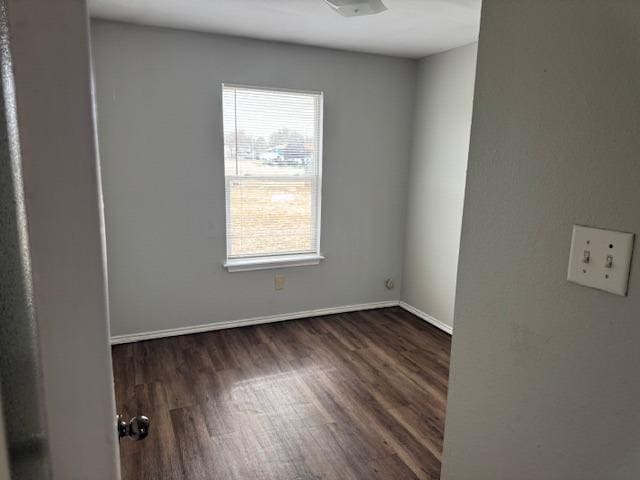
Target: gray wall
159,122
437,175
544,379
20,368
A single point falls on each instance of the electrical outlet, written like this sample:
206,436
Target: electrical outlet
278,282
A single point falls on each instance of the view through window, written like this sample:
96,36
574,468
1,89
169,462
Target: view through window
272,156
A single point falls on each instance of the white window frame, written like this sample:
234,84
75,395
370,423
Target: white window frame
265,262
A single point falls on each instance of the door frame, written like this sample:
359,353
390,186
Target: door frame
54,107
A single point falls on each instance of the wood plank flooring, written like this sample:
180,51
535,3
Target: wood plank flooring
351,396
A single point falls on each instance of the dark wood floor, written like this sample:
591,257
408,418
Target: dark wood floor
352,396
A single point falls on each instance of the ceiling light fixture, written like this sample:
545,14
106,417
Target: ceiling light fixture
356,8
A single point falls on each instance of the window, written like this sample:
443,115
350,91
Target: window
272,161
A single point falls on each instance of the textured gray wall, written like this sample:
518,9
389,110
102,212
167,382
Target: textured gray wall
544,377
160,132
20,369
437,175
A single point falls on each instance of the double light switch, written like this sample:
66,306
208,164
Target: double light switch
600,259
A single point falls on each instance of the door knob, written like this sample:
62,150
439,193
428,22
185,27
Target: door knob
137,428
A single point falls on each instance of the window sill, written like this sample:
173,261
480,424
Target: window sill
265,263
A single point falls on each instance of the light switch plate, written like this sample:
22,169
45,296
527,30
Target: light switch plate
592,250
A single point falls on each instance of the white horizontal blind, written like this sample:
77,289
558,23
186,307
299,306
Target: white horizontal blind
272,158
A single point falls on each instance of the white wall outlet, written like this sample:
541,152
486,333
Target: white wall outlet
278,281
600,259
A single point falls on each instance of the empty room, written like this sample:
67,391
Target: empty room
319,239
283,186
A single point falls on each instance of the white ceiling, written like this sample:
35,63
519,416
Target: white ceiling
409,28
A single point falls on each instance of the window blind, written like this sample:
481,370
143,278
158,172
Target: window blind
272,161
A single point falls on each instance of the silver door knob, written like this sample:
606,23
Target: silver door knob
137,428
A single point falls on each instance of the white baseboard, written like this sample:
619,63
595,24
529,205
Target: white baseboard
428,318
171,332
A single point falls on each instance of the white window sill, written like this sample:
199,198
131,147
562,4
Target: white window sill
265,263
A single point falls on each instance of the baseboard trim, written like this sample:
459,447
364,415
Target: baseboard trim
427,318
172,332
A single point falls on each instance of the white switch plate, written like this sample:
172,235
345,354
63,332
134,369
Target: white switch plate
597,244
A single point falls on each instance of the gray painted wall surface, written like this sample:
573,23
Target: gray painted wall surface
20,370
159,122
437,175
544,378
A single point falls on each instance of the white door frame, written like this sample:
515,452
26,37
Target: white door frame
50,51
